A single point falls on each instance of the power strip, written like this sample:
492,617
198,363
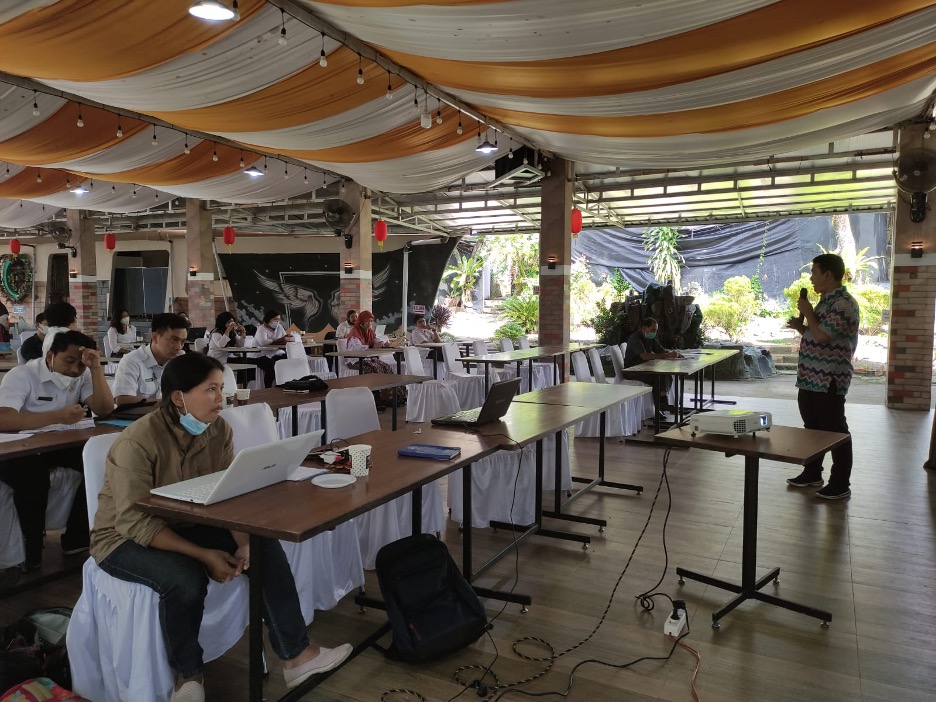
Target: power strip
676,622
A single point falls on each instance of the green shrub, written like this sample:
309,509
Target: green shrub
523,310
511,330
731,308
792,294
607,325
872,301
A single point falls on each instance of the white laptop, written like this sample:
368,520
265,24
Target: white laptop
380,329
252,468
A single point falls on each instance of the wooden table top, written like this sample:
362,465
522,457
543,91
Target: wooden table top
278,398
681,366
366,353
785,444
295,511
595,396
32,444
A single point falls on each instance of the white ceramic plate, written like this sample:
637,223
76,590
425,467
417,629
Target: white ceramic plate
333,480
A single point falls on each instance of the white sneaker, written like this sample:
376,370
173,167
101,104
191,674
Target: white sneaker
192,691
327,659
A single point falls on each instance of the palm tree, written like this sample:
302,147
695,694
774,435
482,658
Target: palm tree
465,271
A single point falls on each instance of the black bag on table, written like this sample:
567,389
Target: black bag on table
432,609
309,383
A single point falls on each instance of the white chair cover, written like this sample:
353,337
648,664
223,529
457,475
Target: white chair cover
115,644
64,484
523,343
310,414
430,399
201,345
319,366
230,380
495,477
12,551
19,356
643,405
418,364
295,349
26,334
468,388
591,426
542,372
506,344
108,351
326,567
341,363
350,412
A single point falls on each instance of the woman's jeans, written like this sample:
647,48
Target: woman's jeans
182,584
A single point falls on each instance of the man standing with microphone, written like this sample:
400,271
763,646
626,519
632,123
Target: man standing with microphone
824,371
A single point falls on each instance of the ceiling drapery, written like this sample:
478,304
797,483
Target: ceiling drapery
672,83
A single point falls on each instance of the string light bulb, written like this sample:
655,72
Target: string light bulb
119,129
305,176
133,194
35,109
185,148
285,171
360,71
241,159
155,141
282,37
38,176
459,129
323,62
80,121
214,153
389,95
439,116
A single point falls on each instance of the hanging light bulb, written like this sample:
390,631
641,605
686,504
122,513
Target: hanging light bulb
214,154
360,71
282,36
323,62
38,176
264,164
213,11
425,120
241,159
285,171
305,176
91,184
416,100
119,130
185,149
133,194
35,104
439,116
389,87
155,141
80,120
459,129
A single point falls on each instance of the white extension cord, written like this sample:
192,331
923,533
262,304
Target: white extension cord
676,622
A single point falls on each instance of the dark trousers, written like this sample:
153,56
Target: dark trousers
182,584
826,411
268,366
29,478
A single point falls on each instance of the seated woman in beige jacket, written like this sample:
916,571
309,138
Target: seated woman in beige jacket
183,439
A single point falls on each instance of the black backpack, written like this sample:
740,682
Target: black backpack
432,609
34,646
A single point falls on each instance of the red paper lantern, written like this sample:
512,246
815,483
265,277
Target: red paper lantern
110,241
380,232
15,247
576,221
228,236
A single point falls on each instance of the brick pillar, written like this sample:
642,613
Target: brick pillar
913,300
200,256
356,291
82,277
555,240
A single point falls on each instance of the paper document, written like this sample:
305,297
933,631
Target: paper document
10,437
83,424
305,473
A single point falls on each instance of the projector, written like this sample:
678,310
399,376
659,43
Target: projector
730,422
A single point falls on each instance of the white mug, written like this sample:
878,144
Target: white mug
243,394
360,457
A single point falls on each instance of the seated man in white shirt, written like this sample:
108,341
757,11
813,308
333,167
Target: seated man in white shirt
139,374
345,327
424,334
59,388
270,333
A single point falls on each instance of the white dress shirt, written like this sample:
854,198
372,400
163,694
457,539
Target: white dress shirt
138,374
118,340
342,331
218,345
29,388
266,336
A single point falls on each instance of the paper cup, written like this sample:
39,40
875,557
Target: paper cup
243,394
360,455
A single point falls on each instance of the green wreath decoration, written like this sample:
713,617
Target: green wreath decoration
16,274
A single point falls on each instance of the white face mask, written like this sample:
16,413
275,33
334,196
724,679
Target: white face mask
62,381
125,320
42,329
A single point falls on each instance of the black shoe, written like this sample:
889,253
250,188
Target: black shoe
30,566
831,492
71,547
804,480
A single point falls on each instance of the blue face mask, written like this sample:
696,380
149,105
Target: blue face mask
650,335
189,422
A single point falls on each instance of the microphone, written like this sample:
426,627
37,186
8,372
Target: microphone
803,295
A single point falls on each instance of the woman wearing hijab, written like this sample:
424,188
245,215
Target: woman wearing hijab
362,336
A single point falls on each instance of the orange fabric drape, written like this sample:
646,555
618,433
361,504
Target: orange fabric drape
88,41
59,138
23,185
776,107
770,32
403,141
185,168
312,94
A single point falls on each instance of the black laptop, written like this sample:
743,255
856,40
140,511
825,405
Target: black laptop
196,333
495,406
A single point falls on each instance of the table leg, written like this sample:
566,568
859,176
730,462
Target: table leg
393,419
416,516
530,362
399,363
487,367
255,590
295,420
360,367
750,586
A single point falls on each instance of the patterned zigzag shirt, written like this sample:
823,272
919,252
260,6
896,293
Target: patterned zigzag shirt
820,364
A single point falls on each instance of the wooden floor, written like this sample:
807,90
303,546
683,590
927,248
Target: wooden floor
870,560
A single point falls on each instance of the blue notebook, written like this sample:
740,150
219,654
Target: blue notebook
439,453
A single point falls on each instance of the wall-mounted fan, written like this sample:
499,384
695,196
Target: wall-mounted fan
340,217
60,233
915,175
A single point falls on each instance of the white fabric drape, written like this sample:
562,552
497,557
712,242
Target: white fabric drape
527,30
17,109
132,152
17,214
